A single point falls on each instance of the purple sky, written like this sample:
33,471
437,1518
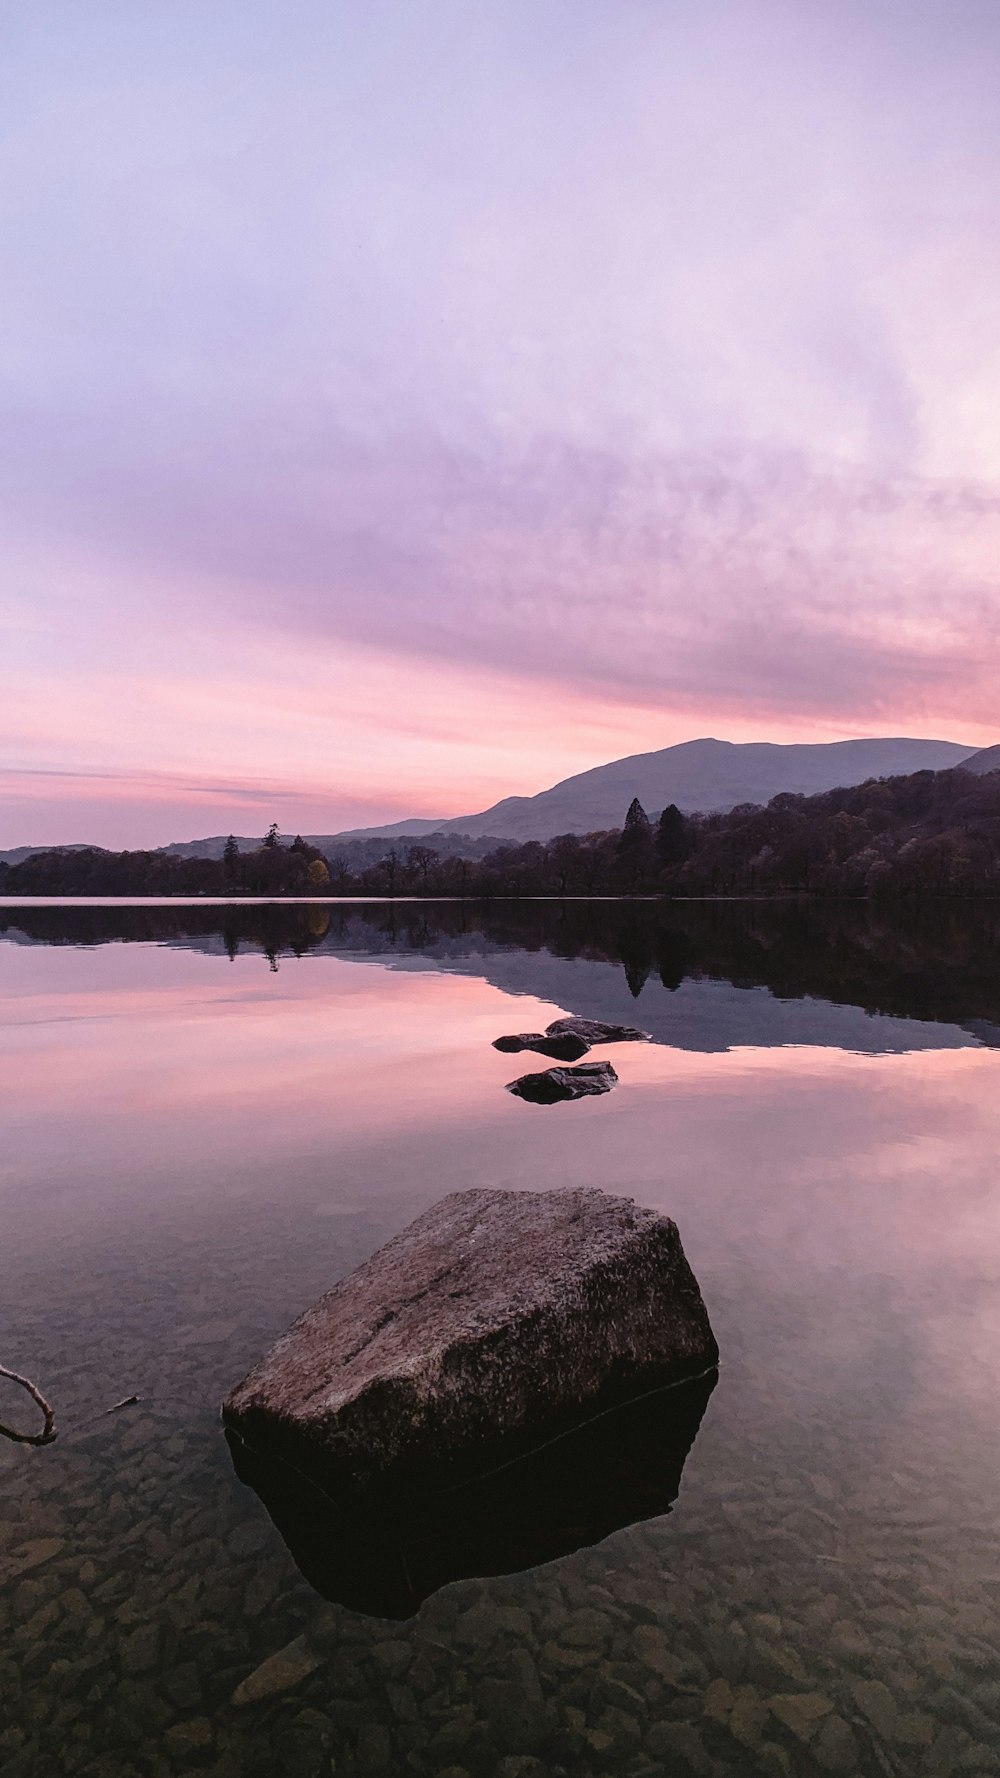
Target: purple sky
408,404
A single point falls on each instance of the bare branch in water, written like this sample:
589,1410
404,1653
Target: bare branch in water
48,1432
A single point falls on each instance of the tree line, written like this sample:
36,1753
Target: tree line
920,959
930,833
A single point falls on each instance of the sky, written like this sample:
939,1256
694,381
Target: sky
410,404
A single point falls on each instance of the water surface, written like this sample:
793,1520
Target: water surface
211,1113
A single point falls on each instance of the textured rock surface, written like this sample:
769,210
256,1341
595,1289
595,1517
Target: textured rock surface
563,1049
595,1031
493,1322
547,1086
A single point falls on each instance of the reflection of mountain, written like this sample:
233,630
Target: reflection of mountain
610,1472
702,976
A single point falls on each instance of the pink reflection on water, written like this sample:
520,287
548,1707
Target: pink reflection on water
149,1087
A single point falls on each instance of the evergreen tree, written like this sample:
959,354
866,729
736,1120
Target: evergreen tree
673,841
230,859
271,837
637,833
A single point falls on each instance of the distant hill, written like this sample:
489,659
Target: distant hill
365,848
699,776
18,854
987,760
705,775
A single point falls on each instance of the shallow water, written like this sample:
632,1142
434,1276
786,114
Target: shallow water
203,1130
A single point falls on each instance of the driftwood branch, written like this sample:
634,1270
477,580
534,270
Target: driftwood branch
48,1431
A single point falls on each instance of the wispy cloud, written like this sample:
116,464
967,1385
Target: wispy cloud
419,403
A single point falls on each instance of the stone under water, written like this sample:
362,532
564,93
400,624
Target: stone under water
496,1322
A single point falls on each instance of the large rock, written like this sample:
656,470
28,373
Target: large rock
614,1469
493,1323
547,1086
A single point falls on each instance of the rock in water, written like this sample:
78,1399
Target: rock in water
563,1049
495,1322
611,1471
547,1086
596,1031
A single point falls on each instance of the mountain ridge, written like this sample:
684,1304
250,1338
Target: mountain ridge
704,775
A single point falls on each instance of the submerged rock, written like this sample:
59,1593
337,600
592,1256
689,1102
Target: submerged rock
563,1049
613,1470
551,1085
494,1323
592,1031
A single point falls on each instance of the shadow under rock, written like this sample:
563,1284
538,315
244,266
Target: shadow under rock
615,1470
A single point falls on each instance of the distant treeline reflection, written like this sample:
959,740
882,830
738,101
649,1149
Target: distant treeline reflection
938,962
932,833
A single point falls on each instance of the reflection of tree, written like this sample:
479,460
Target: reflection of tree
671,951
942,962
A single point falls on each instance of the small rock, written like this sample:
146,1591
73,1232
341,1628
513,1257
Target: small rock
392,1656
672,1741
748,1717
374,1753
485,1622
570,1660
552,1086
188,1739
653,1650
249,1540
183,1685
801,1712
141,1650
595,1031
915,1729
773,1761
876,1701
835,1748
586,1629
718,1700
31,1555
279,1673
568,1048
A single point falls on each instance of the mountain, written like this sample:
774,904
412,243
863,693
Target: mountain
986,760
696,775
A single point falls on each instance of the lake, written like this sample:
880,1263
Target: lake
212,1112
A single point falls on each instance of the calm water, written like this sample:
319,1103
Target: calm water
211,1114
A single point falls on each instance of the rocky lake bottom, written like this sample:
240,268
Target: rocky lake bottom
209,1120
